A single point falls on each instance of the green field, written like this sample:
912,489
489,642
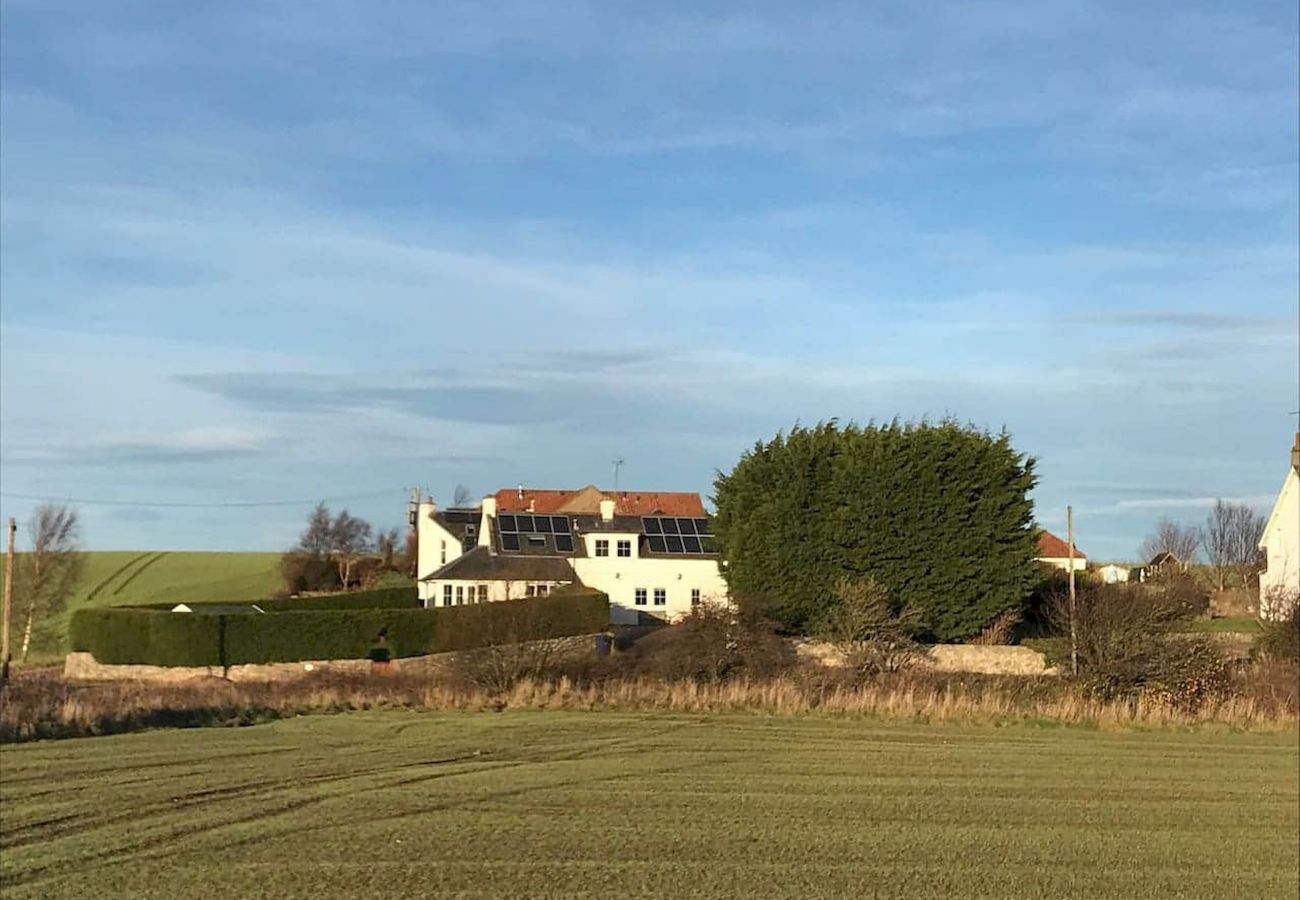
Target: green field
551,804
114,578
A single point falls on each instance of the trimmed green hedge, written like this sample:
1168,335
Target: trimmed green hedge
152,636
380,598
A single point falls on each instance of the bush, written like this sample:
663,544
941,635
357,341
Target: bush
303,572
875,637
1129,644
1279,639
715,642
125,635
939,514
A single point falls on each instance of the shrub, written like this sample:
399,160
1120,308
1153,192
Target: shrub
875,638
1279,639
1129,645
304,572
715,642
937,513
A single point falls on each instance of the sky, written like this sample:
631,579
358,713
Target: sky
257,255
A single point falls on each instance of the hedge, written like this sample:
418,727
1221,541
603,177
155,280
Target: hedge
152,636
379,598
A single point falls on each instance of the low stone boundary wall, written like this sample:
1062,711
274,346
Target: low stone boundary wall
977,659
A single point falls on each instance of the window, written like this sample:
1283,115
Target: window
460,594
695,596
640,596
624,548
661,597
602,548
446,595
537,590
482,593
444,553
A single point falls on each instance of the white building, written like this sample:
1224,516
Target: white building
1053,551
651,552
1279,584
1114,573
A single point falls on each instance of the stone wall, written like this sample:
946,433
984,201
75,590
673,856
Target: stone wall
985,660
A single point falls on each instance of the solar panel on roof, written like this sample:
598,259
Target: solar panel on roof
702,526
686,526
564,543
524,523
652,526
670,526
656,543
674,543
507,523
510,541
691,544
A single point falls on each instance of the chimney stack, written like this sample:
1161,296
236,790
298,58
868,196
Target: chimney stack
1295,453
606,509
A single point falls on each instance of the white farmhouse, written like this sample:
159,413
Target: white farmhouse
651,552
1053,551
1279,584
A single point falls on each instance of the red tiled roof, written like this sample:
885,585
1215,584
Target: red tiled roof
626,503
1052,547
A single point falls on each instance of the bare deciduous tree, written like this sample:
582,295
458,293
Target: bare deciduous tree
317,538
1231,538
462,496
48,574
349,540
1183,541
386,545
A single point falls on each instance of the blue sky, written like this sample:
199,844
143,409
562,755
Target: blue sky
267,254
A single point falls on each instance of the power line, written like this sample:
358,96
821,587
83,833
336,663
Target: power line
231,504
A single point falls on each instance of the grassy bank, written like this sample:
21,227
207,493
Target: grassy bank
115,578
401,804
42,705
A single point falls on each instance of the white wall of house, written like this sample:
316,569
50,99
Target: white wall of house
1063,562
1281,541
459,592
681,580
437,546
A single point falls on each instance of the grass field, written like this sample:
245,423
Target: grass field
551,804
121,577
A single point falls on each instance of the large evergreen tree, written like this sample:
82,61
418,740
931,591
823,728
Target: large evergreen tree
938,514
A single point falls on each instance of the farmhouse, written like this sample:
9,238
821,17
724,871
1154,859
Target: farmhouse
652,552
1279,584
1053,551
1114,573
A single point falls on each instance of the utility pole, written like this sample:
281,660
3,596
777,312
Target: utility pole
1074,606
8,604
413,520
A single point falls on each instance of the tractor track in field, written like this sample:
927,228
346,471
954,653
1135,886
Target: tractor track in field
136,574
267,790
99,588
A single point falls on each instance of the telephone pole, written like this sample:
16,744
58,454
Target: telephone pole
1074,606
8,604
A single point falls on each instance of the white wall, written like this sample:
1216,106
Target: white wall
437,546
465,591
1281,541
620,578
1063,562
1113,574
